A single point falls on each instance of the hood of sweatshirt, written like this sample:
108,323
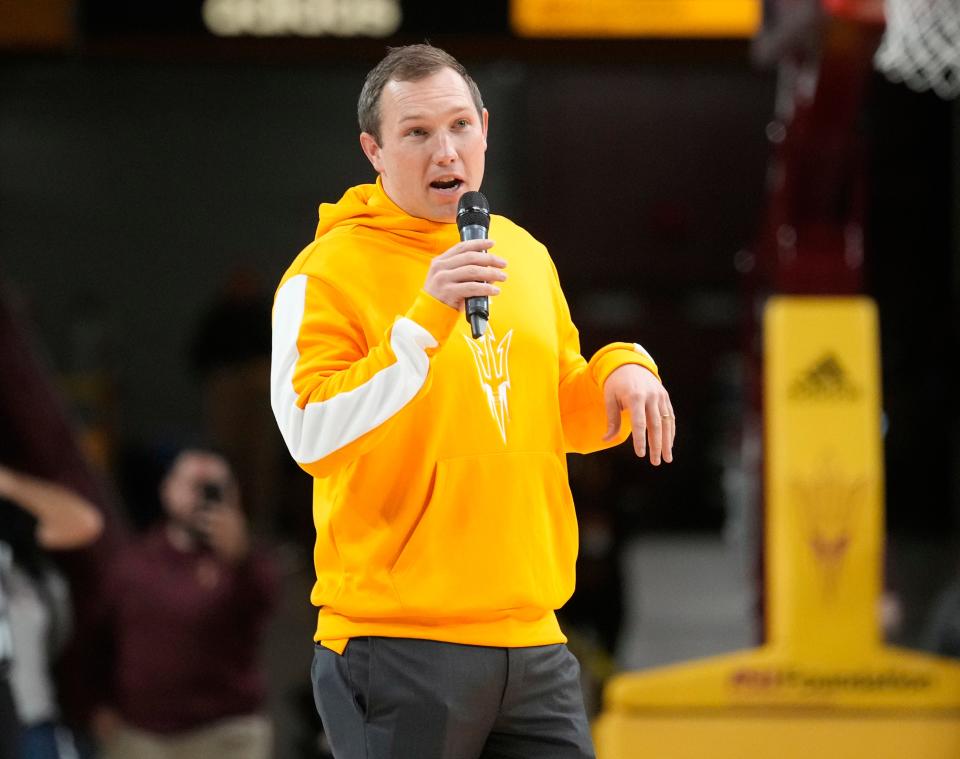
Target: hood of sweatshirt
367,205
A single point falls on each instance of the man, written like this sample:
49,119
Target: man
446,535
188,605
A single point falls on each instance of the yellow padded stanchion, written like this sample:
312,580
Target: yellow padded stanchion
823,685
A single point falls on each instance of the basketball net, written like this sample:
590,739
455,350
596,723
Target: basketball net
921,45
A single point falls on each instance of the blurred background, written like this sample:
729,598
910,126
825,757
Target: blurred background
161,163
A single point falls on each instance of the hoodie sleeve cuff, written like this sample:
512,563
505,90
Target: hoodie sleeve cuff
434,316
615,355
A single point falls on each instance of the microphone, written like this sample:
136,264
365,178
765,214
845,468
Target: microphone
473,221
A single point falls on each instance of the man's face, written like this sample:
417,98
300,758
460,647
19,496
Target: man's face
432,144
182,492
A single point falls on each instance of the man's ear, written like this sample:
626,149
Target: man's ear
485,121
371,150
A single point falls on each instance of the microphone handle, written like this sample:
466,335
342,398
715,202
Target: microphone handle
477,308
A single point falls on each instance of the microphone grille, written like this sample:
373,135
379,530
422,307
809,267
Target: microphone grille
473,209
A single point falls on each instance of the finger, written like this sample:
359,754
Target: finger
215,520
638,422
671,426
475,258
477,274
613,417
471,266
461,290
467,246
655,433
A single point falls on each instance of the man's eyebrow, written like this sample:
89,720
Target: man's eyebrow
422,115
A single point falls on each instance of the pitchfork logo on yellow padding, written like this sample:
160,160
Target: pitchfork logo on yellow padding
829,504
492,357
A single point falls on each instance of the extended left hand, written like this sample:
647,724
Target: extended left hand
635,389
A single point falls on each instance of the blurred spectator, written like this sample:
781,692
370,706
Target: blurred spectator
39,437
37,516
187,606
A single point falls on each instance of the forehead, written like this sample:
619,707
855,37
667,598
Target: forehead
196,465
437,94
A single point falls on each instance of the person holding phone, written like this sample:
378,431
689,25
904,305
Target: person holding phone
188,604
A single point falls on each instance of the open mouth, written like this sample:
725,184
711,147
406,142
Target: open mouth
446,184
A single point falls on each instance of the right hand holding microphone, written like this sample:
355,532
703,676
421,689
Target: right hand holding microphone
466,270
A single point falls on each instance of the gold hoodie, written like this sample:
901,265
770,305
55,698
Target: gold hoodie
440,500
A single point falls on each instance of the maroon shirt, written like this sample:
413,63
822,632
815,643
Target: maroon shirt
187,631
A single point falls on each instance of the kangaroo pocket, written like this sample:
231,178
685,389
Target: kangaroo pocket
498,534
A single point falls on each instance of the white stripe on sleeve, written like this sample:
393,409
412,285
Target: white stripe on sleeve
323,427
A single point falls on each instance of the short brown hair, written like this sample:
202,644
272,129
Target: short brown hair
410,63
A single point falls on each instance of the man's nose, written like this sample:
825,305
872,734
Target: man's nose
445,151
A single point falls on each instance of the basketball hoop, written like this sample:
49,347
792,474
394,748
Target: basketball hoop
921,45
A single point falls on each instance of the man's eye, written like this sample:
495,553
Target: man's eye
417,132
462,123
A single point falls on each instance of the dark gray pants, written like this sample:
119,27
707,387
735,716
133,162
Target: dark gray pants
399,698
